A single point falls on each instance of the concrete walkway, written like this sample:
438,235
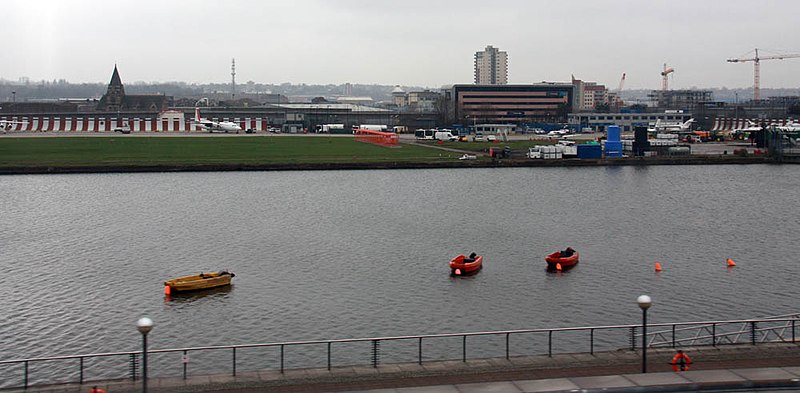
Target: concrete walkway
728,367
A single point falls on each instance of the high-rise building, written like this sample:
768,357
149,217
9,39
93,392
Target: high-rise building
491,67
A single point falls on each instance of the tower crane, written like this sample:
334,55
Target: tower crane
756,68
664,74
618,94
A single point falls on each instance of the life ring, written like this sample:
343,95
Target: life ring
680,362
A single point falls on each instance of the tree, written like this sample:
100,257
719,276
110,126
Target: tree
638,108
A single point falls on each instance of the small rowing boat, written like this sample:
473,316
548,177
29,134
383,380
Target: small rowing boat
562,259
198,282
462,264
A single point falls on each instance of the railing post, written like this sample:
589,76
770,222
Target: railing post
713,334
508,338
376,348
591,341
753,333
81,362
420,350
282,358
133,366
185,361
329,355
26,374
464,349
793,330
673,336
550,343
633,338
234,361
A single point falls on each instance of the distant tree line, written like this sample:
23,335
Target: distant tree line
44,90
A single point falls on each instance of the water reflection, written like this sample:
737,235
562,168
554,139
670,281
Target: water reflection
196,296
555,270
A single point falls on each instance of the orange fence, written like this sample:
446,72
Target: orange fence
376,137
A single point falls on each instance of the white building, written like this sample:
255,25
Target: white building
491,67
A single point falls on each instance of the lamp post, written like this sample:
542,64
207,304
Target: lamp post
144,325
644,303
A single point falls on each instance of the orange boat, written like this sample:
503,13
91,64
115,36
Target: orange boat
565,259
462,264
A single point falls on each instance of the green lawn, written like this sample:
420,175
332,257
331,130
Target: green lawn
136,150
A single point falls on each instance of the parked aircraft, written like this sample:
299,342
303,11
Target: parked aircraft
8,125
557,133
672,127
211,126
751,126
790,127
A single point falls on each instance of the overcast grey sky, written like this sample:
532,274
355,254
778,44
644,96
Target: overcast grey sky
412,42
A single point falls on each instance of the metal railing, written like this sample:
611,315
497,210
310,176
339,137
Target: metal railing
683,334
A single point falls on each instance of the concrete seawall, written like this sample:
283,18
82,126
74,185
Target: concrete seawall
501,163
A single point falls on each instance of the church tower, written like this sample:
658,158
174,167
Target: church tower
115,93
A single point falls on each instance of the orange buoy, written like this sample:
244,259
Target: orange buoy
166,289
558,266
731,263
658,266
458,272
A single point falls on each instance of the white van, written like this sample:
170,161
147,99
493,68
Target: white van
444,136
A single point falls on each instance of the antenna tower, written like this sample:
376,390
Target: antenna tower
233,78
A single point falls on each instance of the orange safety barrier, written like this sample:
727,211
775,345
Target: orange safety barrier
376,137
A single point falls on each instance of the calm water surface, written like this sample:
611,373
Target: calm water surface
344,254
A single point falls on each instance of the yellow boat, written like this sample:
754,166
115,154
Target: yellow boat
198,281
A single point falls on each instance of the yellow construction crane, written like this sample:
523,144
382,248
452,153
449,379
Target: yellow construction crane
756,67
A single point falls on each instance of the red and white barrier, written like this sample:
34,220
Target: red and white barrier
108,123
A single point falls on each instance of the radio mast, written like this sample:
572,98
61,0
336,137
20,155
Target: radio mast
233,79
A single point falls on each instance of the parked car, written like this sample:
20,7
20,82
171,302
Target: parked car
123,130
491,138
274,130
478,137
250,131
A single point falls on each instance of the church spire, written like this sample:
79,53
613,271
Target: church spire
115,79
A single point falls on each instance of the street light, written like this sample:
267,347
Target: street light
144,325
644,303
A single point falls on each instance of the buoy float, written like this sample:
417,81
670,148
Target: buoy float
458,272
166,289
731,263
558,266
658,266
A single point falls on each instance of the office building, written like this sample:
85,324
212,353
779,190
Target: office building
513,104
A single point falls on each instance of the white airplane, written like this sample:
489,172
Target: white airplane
751,126
672,127
557,133
8,125
790,127
211,126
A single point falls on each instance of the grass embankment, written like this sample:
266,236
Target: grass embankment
118,151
